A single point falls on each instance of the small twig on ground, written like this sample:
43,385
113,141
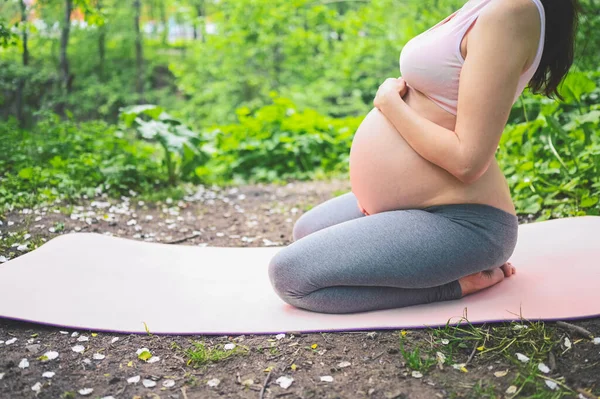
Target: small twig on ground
121,390
184,393
472,353
575,329
377,356
265,383
180,240
552,360
279,395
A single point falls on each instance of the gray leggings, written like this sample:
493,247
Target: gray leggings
342,261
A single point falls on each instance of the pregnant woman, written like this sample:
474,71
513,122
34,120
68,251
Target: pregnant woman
430,217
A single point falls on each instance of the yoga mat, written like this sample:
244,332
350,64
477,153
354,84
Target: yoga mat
90,281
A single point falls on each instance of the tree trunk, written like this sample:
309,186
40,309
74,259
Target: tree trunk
21,83
163,20
101,43
64,43
139,58
201,15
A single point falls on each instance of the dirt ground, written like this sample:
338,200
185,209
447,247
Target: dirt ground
364,364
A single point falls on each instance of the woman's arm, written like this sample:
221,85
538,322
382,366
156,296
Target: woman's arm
499,46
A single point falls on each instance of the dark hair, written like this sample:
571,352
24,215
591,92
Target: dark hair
562,17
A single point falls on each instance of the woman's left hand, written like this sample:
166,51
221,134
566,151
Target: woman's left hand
391,90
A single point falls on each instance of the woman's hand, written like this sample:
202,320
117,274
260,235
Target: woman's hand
390,90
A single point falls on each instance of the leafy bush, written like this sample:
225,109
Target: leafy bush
181,146
279,142
65,159
552,156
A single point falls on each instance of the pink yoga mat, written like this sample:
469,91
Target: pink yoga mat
95,282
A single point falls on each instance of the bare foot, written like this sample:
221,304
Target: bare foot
479,281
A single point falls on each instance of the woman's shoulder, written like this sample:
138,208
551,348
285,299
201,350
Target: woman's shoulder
515,17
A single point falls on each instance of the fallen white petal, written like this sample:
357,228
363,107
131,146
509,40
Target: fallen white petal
83,338
551,384
22,248
1,342
344,364
168,383
214,382
50,355
98,356
501,373
597,341
37,387
567,343
78,348
86,391
153,359
133,380
115,339
3,259
142,350
149,383
511,389
108,397
64,332
1,376
458,366
75,334
284,381
24,363
543,368
327,378
87,361
416,374
49,374
10,341
519,326
229,347
445,341
441,358
280,336
522,357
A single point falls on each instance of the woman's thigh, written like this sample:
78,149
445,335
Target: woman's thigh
331,212
404,249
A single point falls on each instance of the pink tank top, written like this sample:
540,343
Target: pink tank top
431,62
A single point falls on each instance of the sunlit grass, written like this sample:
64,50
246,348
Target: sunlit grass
200,353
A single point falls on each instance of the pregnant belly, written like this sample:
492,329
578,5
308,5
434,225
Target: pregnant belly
386,173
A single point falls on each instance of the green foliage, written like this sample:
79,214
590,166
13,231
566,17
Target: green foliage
552,157
279,142
7,37
181,146
66,159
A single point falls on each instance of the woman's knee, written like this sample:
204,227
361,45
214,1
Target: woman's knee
284,274
303,226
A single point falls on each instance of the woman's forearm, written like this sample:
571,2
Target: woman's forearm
433,142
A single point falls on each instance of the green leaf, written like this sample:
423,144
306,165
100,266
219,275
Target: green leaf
26,173
575,85
145,355
588,202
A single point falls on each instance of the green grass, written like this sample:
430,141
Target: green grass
200,353
18,237
493,344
